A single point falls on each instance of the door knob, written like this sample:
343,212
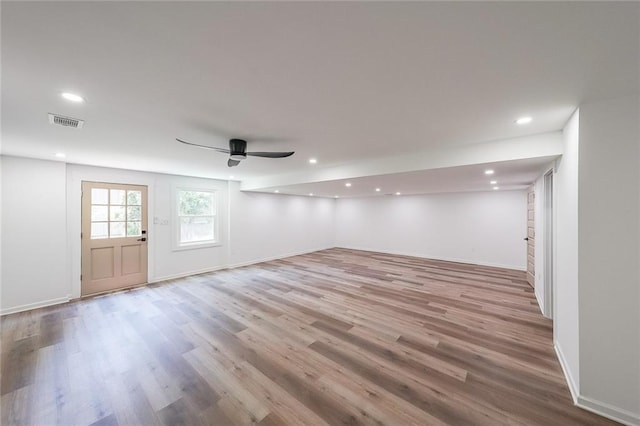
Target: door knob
141,239
526,238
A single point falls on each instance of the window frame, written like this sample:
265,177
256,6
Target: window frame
177,225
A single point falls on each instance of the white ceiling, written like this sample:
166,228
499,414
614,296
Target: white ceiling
508,175
347,83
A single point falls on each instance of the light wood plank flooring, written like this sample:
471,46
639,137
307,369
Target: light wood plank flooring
333,337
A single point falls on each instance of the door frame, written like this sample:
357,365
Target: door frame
119,280
75,175
548,243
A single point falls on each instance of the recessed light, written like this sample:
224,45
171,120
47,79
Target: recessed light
496,188
493,182
347,184
311,194
312,161
377,189
72,97
398,193
524,120
60,155
276,191
335,196
231,176
488,172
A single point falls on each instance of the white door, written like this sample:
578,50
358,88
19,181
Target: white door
114,236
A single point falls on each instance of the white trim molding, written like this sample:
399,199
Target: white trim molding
567,373
540,304
269,259
35,305
609,411
233,266
440,258
186,274
600,408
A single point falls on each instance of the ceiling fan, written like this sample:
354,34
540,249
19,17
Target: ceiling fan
238,151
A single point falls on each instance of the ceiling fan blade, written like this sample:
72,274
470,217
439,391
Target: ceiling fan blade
226,151
271,154
232,163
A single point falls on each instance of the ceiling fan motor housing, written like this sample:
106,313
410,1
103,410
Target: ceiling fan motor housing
238,151
237,148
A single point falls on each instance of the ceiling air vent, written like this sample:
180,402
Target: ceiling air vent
60,120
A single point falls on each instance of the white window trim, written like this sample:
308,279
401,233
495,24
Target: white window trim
177,245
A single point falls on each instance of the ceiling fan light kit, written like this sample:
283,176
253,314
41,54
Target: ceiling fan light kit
238,151
237,148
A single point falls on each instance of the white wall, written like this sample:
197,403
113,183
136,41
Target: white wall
170,262
597,283
1,180
565,314
268,226
164,261
485,228
609,225
41,224
253,226
34,234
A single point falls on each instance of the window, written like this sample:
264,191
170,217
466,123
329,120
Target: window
196,218
115,213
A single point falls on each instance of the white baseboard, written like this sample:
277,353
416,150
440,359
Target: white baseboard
445,259
609,411
270,258
35,305
540,302
231,266
598,407
186,274
573,388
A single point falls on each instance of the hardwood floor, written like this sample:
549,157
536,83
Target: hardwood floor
333,337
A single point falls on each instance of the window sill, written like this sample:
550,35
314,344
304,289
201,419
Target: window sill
194,246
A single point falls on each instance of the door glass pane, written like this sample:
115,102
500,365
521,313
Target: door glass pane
99,213
116,229
134,229
99,196
116,213
133,213
99,230
118,196
134,198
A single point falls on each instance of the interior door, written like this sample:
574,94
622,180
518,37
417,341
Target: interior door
114,236
531,240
